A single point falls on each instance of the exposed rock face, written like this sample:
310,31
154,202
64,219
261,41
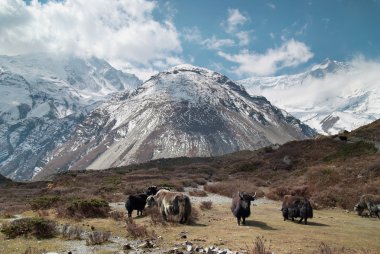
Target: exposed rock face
186,111
43,98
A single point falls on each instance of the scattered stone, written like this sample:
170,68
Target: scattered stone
127,247
183,235
146,245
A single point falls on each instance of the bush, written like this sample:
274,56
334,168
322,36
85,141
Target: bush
71,232
197,193
137,231
155,216
117,215
93,208
229,188
205,205
37,227
259,246
44,202
98,237
352,150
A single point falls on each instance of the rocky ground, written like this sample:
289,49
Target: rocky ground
216,232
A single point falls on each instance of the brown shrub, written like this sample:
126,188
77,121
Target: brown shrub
277,193
229,188
138,231
84,208
259,246
117,215
43,213
71,232
197,193
98,237
155,216
205,205
38,227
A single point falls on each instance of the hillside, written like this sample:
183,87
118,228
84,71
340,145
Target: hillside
333,172
185,111
43,98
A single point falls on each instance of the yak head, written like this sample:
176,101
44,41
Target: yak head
246,199
151,201
151,190
358,209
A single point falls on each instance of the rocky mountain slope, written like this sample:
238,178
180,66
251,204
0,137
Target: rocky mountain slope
42,99
330,97
186,111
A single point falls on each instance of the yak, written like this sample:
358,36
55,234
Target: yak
138,201
295,206
241,206
171,203
369,202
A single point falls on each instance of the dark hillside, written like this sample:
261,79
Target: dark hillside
332,171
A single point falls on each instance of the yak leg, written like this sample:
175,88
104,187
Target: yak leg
163,213
238,221
306,221
130,213
243,220
300,220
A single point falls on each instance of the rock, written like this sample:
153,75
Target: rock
183,235
189,247
127,247
146,244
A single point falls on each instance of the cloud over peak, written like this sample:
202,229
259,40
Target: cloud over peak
290,54
234,20
122,31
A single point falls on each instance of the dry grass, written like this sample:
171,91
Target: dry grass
198,193
205,205
138,231
70,232
259,246
98,237
32,250
229,188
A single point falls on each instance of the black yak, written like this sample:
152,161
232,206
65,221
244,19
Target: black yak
241,206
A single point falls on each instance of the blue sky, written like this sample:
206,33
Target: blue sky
240,38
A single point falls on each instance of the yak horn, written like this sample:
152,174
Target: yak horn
254,195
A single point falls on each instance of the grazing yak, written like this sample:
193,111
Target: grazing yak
138,201
294,207
241,206
369,202
171,203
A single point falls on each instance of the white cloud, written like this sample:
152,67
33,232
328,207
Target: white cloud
243,37
123,32
290,54
354,90
271,5
234,20
216,44
192,34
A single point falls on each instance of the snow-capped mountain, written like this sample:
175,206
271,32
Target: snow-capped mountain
185,111
330,97
43,97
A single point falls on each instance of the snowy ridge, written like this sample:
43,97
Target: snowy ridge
185,111
330,97
43,98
